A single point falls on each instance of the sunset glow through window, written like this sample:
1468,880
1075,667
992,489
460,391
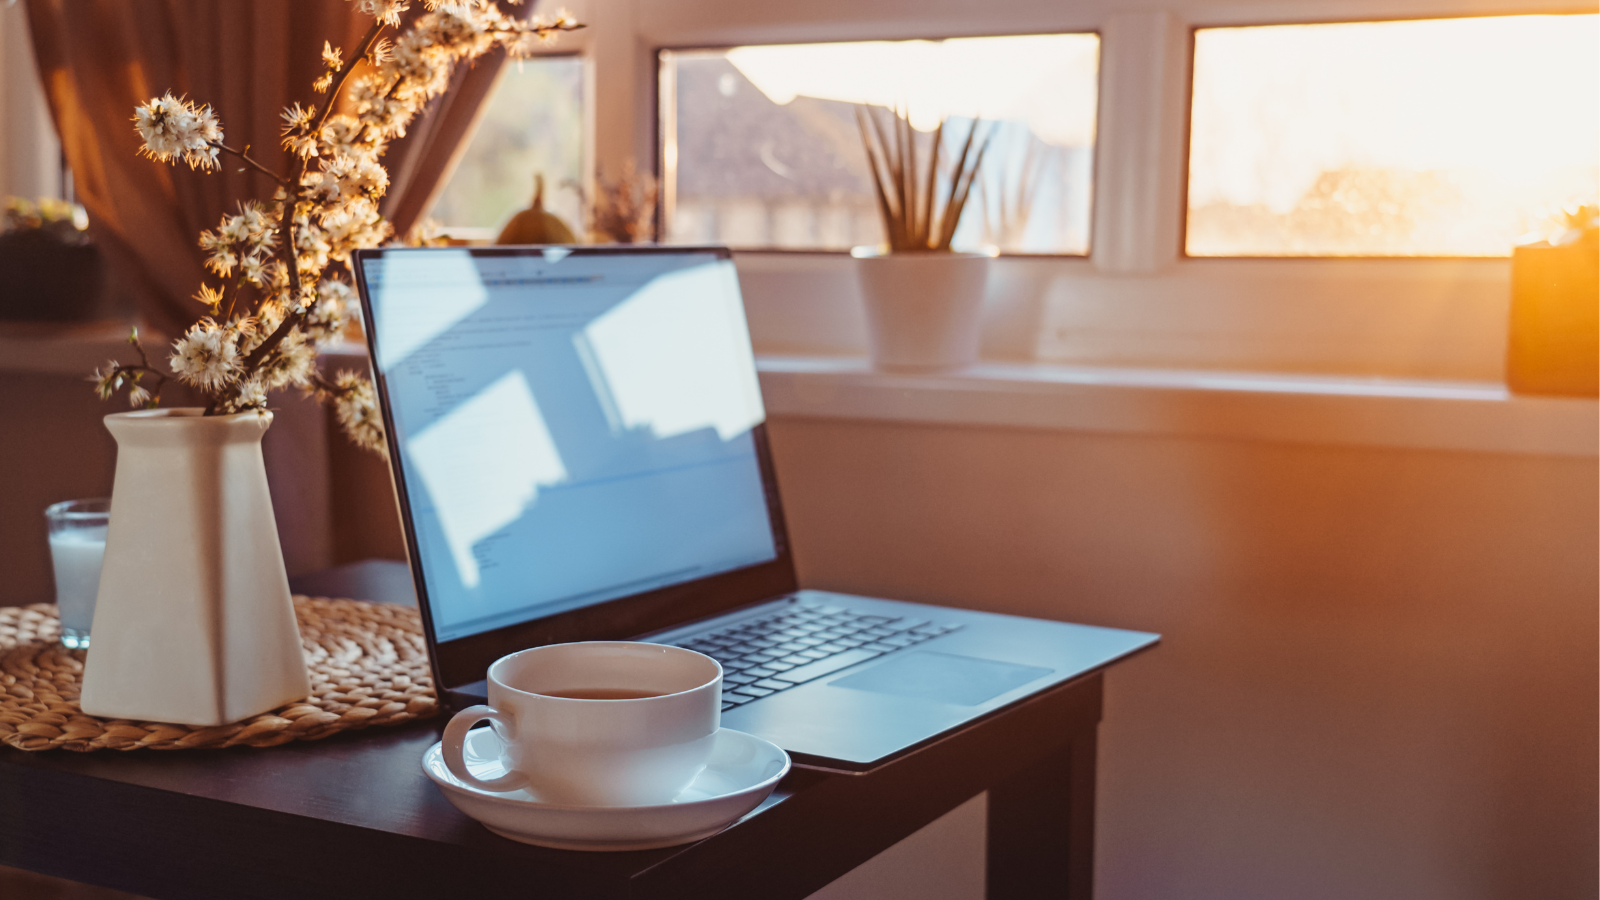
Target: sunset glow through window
1425,138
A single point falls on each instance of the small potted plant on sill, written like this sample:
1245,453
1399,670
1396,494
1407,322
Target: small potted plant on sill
51,272
924,301
1553,344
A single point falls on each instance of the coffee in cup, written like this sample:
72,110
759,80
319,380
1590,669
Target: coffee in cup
598,723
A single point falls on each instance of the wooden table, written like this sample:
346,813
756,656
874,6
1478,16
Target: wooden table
354,817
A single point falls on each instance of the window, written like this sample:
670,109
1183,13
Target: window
760,146
532,124
1448,137
1286,301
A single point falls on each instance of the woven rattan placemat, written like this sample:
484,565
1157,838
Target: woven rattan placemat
368,666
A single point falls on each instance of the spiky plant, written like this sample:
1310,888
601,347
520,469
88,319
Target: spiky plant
908,193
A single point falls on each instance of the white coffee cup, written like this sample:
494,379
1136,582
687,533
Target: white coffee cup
598,723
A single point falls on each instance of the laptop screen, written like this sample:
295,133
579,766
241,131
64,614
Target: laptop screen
572,427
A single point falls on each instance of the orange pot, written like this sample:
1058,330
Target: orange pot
1554,342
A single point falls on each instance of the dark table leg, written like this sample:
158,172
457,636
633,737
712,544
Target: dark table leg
1041,828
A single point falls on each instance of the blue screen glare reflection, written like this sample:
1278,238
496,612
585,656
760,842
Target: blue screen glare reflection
572,429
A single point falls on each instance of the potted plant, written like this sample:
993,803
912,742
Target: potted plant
51,272
924,301
193,623
1553,344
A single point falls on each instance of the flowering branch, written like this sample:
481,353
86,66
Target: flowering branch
278,303
286,220
244,155
344,71
118,375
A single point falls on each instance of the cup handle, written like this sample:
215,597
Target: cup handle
454,746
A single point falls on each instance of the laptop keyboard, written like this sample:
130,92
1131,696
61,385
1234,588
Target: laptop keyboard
801,643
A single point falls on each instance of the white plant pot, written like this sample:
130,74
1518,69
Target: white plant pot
193,623
924,310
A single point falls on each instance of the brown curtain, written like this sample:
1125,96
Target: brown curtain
98,59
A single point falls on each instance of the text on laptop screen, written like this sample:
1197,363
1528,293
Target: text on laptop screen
572,428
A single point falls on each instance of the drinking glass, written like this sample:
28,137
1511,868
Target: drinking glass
77,545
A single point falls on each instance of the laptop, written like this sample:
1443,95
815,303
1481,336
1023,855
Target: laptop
580,452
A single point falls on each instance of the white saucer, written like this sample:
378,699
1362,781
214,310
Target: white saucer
743,770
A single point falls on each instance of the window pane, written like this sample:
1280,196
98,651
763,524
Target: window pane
533,123
1447,137
760,146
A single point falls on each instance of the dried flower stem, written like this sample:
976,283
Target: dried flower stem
349,67
244,155
286,218
144,365
279,300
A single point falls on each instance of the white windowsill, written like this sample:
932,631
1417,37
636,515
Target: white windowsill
1419,414
1375,412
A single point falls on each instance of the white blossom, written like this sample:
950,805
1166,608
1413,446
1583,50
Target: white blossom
247,395
297,135
291,363
334,295
209,297
329,311
206,357
107,382
233,230
252,270
173,127
240,239
311,248
222,260
297,117
339,132
252,394
276,275
385,11
356,405
269,315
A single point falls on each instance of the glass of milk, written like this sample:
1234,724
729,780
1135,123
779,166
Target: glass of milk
77,545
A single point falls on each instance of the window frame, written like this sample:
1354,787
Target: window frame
1136,300
562,50
663,207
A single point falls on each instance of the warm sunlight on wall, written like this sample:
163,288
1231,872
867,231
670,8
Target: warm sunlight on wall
1448,137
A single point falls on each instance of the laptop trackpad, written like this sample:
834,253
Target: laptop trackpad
942,678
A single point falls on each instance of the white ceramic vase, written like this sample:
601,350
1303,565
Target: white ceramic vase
193,623
924,310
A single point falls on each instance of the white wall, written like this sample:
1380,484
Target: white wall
1379,666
